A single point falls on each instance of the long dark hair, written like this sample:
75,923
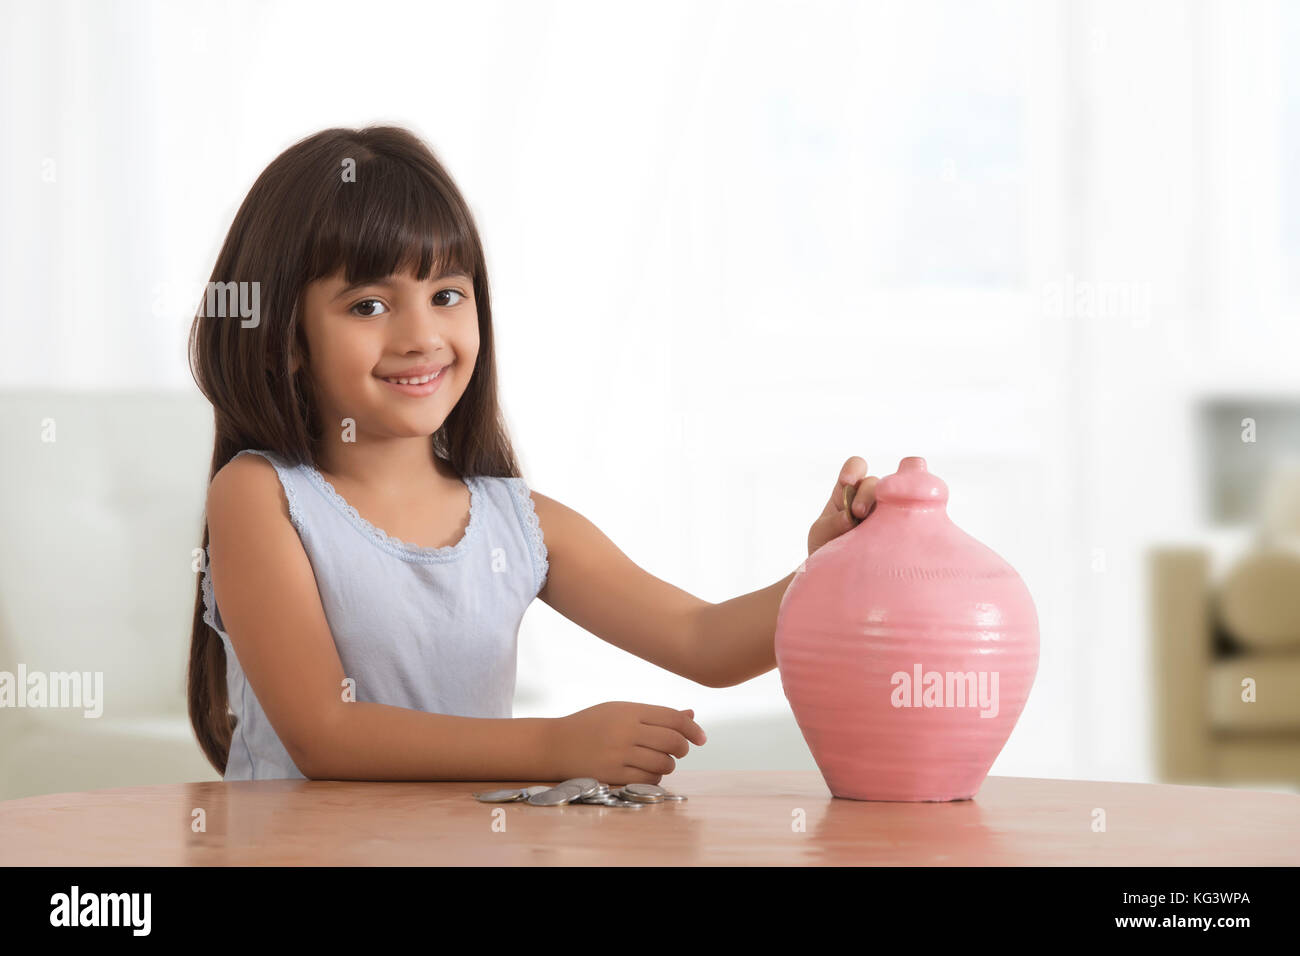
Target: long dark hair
373,202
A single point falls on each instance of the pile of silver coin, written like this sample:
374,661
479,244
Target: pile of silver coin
632,796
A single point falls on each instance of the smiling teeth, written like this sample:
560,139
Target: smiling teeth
414,381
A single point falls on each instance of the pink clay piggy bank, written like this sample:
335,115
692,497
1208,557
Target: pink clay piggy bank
906,649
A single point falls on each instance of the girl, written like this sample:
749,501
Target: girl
369,544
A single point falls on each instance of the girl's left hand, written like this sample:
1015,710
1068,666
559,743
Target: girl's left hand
834,520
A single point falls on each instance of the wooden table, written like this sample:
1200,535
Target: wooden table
730,818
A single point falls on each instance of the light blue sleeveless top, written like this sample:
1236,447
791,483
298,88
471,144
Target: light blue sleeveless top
431,629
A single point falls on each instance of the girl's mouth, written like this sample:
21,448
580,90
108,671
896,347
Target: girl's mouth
422,386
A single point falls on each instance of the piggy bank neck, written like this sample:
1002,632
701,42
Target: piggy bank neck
914,535
913,487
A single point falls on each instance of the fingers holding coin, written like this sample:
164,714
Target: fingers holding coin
860,498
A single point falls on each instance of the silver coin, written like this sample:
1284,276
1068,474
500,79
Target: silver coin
500,796
636,790
646,789
626,804
530,791
584,786
591,798
551,798
674,796
641,797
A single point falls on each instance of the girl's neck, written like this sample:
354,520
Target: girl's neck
390,466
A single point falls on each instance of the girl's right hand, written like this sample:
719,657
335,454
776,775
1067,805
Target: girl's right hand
620,742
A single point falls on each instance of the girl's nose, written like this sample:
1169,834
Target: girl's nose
422,327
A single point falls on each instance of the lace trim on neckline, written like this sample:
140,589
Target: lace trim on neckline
393,545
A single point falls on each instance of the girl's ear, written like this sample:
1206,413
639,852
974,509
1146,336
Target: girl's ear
295,354
297,342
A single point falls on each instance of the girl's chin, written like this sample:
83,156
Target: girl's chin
412,428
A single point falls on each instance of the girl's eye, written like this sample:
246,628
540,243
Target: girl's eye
369,308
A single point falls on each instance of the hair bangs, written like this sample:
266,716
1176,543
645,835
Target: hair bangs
393,220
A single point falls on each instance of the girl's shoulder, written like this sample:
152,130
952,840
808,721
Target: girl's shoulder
248,458
246,479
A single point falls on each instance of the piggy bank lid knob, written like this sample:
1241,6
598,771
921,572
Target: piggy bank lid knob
912,485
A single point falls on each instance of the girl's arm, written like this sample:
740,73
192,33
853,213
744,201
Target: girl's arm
595,585
599,588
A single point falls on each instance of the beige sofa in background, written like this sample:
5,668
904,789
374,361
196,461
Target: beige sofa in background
1212,634
96,574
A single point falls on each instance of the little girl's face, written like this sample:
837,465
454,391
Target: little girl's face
397,327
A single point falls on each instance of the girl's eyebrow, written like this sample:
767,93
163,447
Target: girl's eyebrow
388,281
